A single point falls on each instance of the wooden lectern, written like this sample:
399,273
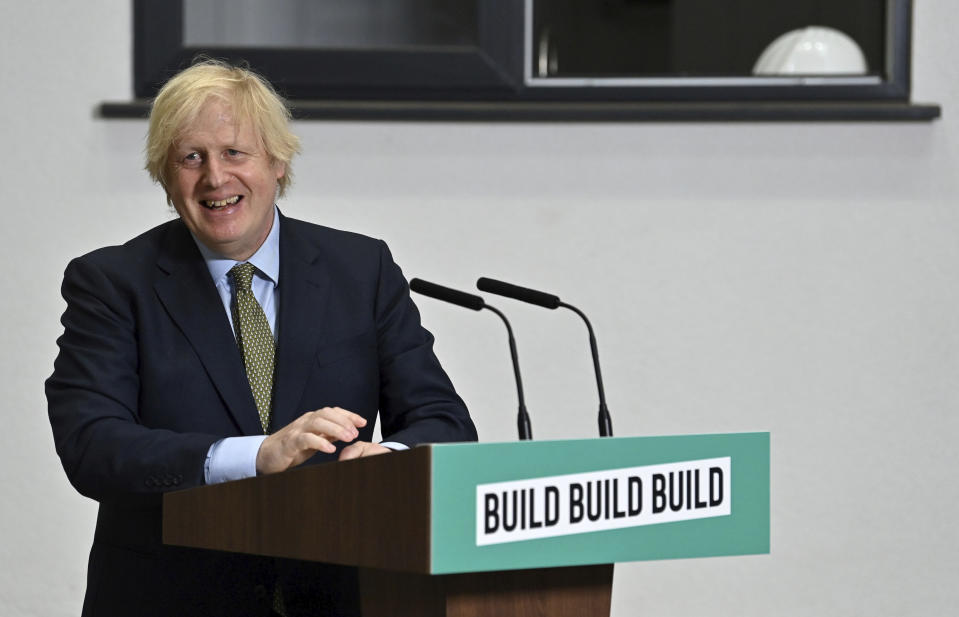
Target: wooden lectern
504,529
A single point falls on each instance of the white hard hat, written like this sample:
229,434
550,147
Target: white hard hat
815,50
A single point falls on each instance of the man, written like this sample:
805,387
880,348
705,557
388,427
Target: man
181,365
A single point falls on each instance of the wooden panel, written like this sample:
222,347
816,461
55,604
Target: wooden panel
372,512
582,591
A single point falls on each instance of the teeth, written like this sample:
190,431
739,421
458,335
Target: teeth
222,202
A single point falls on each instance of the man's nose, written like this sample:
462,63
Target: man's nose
215,172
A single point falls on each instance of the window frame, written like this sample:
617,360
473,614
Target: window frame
489,81
497,69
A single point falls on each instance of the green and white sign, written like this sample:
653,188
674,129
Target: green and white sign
502,506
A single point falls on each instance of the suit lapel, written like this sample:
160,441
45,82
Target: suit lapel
304,293
187,292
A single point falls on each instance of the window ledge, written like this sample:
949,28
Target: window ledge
458,111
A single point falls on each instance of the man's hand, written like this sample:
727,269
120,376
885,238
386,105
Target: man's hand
314,431
361,449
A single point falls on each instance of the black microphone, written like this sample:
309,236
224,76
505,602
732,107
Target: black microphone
460,298
550,301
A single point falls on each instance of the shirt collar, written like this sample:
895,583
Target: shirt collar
266,258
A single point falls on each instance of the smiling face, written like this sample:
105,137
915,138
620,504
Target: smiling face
222,182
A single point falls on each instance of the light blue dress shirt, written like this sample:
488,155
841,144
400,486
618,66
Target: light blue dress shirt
234,458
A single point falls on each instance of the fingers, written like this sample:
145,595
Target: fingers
361,449
308,443
314,431
333,423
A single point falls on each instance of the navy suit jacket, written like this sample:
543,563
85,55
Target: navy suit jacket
149,376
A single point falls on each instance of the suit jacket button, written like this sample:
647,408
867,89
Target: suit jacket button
260,592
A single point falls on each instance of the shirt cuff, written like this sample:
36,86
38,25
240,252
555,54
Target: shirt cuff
233,458
392,445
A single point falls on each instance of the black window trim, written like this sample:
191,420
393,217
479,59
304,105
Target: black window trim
493,79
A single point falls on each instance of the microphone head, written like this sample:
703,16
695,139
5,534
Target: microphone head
523,294
453,296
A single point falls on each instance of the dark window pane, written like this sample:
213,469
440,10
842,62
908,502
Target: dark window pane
345,24
636,38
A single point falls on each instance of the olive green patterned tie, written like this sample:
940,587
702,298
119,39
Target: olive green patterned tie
255,339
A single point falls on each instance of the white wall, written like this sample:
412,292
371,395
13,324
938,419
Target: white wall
797,278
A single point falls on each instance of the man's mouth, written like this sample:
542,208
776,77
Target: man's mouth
216,204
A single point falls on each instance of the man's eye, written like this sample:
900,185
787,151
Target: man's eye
193,157
231,152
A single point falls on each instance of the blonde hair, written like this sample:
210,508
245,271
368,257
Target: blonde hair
250,96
